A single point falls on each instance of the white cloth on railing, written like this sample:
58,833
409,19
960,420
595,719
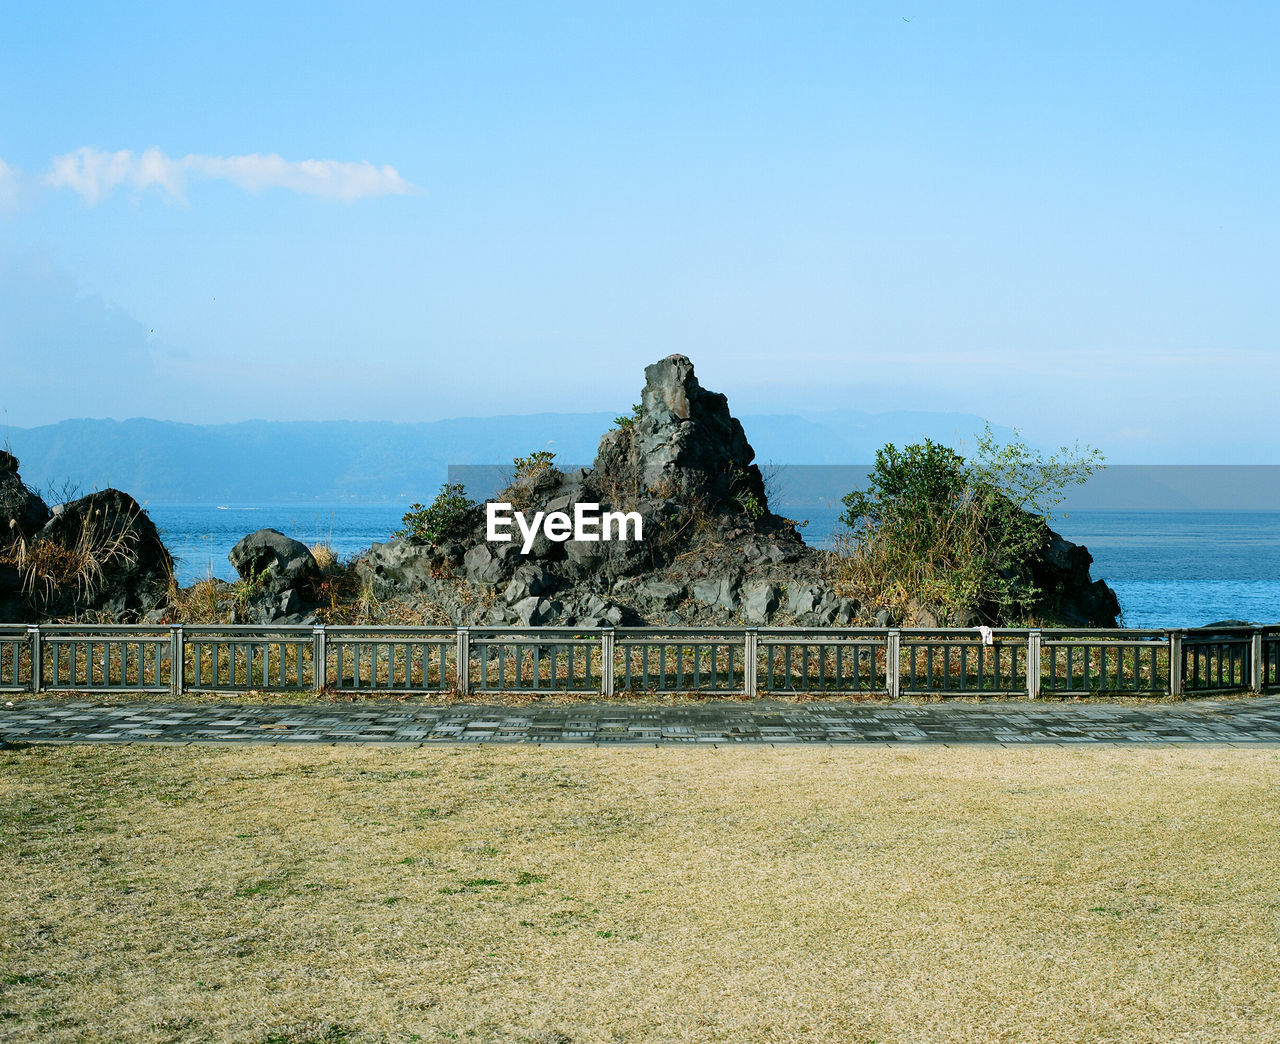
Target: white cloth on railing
988,636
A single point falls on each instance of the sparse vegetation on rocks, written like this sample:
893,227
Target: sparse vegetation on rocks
450,513
940,539
715,554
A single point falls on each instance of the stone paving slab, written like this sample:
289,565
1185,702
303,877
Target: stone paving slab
1252,721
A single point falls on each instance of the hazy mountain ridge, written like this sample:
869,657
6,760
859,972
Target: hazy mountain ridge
376,461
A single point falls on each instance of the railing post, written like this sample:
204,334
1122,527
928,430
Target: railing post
1255,661
606,662
892,673
319,659
1175,663
1033,665
750,661
463,658
177,661
37,660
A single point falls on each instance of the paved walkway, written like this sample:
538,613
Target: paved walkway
1201,721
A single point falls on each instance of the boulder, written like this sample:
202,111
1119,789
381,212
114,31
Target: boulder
663,594
761,553
803,598
529,579
599,612
489,563
583,557
22,512
111,554
718,591
534,611
271,559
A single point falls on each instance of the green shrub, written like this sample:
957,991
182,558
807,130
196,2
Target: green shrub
956,535
625,422
534,464
741,495
450,514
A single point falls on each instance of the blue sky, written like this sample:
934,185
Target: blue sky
1060,217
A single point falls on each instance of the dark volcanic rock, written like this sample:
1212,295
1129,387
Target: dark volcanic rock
283,575
271,559
22,512
13,607
119,565
1070,595
403,562
529,579
684,444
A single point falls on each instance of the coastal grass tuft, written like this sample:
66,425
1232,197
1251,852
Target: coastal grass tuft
201,603
737,894
100,546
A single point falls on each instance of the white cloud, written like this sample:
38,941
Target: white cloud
94,173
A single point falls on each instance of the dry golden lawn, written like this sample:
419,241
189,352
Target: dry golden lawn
580,894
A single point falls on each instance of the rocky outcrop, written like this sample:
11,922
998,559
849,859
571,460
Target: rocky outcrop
713,553
1070,595
99,556
684,444
22,512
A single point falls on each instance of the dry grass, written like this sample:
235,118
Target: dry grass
100,547
326,558
201,603
577,894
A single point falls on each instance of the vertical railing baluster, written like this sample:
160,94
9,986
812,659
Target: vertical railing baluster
36,670
606,663
175,659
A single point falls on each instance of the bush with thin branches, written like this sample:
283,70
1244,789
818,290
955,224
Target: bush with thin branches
957,536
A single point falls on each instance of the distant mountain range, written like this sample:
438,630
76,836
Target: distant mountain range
371,462
810,460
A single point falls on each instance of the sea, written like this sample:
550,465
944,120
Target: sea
1168,568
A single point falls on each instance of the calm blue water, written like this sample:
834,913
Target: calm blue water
1169,568
199,536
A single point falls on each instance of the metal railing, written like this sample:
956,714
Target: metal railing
754,662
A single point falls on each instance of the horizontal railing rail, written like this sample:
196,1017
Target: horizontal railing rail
729,661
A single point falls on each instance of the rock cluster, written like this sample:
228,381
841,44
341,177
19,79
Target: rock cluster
713,553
